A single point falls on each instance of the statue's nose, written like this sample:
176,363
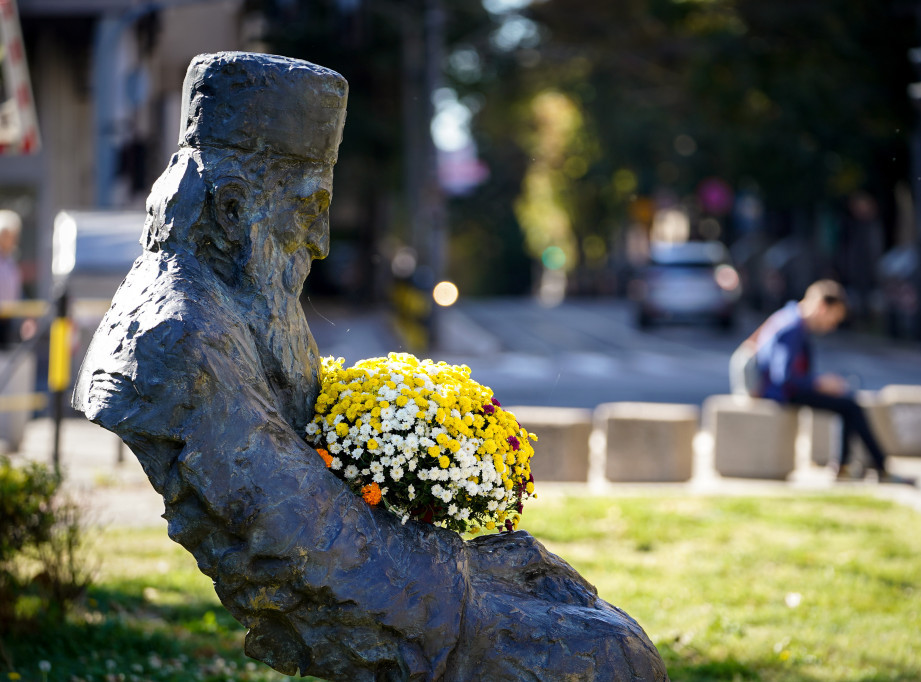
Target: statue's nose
318,237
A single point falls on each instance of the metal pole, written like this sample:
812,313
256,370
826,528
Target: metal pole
433,196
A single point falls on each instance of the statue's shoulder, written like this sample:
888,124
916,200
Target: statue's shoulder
167,323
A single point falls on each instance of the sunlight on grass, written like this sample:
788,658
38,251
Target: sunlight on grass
802,589
789,588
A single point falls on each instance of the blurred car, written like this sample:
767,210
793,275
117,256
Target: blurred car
687,282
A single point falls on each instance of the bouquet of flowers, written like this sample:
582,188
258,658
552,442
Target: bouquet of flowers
425,440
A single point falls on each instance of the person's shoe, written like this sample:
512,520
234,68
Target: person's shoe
886,477
842,473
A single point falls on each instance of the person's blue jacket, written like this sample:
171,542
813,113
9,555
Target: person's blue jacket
784,354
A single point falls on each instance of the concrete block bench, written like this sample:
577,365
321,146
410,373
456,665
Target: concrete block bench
822,431
878,415
902,405
561,452
648,441
752,438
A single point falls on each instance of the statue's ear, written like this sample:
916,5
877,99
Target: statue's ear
230,199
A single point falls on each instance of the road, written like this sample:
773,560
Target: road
587,352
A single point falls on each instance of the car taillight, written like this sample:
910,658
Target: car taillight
726,277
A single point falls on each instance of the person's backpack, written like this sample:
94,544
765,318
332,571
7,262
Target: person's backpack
744,378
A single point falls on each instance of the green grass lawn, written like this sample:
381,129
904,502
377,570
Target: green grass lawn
766,588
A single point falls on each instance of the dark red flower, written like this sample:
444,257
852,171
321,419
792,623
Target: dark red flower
513,442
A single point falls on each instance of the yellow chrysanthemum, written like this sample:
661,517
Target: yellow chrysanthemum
425,402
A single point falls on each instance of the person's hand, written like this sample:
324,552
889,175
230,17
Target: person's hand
831,384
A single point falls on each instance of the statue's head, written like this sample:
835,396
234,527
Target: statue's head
249,189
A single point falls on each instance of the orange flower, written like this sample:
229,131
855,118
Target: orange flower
371,494
326,456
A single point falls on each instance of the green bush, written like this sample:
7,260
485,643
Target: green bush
26,507
42,555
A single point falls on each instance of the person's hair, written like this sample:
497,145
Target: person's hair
10,221
827,291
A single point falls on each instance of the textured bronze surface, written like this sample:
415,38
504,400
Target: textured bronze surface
205,367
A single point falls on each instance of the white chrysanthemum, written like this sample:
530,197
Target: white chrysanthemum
452,510
378,478
396,473
312,429
351,471
336,463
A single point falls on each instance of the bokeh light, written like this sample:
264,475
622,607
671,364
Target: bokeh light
445,293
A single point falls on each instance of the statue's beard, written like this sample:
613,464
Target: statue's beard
281,273
295,273
289,353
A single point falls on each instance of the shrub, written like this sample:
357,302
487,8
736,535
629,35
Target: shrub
41,541
26,507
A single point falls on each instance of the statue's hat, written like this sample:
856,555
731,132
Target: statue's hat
254,101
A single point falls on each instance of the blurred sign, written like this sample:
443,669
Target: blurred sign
715,196
18,122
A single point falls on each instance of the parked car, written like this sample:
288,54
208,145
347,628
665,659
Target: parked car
687,282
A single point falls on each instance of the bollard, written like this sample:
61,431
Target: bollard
59,371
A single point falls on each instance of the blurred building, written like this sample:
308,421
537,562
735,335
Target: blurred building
106,77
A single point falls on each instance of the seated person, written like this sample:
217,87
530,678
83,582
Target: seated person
784,360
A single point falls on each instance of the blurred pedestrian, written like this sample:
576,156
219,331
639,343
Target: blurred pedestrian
783,356
10,277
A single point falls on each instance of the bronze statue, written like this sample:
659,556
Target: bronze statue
205,367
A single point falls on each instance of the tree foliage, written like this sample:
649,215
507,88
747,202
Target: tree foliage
803,99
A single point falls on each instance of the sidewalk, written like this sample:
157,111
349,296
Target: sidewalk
117,493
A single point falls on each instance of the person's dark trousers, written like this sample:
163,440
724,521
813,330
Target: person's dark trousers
853,421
